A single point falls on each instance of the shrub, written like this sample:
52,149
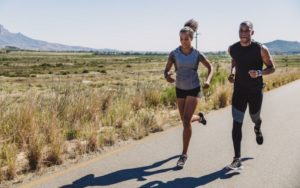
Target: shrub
169,96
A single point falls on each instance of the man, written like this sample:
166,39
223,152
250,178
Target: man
248,57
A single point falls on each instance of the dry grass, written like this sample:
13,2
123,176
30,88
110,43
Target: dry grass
281,78
34,153
92,143
221,97
39,115
9,156
107,137
143,124
152,97
137,102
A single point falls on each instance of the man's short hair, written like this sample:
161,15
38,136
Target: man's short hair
247,23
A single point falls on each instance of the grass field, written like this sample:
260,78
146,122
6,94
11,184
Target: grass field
56,106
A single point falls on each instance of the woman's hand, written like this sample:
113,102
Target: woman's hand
206,85
169,78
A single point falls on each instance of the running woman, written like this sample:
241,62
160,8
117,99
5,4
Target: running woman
248,58
186,60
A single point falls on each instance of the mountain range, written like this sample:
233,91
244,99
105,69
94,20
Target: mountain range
20,41
283,47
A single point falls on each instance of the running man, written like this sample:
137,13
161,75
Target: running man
248,57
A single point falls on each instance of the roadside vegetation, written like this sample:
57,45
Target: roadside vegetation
58,106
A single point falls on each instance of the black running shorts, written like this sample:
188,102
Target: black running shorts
181,93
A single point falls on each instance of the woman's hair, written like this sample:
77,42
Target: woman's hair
190,27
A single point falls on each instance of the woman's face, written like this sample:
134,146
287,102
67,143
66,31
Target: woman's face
185,40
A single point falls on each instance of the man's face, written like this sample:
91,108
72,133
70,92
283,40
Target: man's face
245,33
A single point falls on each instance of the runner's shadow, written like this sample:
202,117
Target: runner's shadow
191,182
121,175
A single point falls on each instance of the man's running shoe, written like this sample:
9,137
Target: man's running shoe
236,164
258,133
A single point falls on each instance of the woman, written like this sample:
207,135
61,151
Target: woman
186,60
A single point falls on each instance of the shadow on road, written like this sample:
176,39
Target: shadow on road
141,172
121,175
191,182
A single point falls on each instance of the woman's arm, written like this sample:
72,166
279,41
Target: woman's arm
167,73
209,67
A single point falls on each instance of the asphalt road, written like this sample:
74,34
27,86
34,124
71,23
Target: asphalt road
151,161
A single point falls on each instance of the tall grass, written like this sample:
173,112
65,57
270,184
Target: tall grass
279,79
43,122
8,159
219,95
34,153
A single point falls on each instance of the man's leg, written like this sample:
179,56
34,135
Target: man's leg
255,103
239,105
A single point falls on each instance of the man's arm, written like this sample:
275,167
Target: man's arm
232,70
268,61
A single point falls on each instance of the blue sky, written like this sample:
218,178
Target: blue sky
149,24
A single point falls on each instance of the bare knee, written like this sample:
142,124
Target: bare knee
186,121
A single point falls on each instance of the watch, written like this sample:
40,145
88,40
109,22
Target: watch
259,73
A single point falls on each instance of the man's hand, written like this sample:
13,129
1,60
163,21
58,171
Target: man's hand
231,78
255,73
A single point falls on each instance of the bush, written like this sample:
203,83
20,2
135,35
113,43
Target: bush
168,96
152,97
72,134
221,97
9,156
138,101
107,137
34,153
85,71
64,72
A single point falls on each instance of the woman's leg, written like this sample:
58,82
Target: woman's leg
195,118
180,105
199,118
189,109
